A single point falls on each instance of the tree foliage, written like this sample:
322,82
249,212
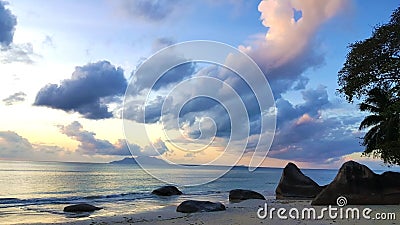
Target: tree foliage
383,138
371,74
372,62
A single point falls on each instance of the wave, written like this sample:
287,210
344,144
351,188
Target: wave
17,202
131,196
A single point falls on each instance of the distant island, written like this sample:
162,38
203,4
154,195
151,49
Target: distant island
127,160
142,159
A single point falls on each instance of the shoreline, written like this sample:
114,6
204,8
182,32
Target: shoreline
244,212
281,209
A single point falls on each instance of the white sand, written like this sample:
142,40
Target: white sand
241,213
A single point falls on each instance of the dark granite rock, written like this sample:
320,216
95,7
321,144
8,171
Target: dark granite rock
81,208
167,191
240,195
361,186
191,206
295,185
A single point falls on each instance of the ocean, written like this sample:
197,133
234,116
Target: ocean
33,192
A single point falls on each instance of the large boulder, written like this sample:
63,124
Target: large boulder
238,195
167,191
81,208
361,186
295,185
191,206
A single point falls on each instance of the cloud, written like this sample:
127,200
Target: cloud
9,51
22,53
149,10
289,47
15,98
305,132
287,38
48,41
149,113
161,43
309,139
89,90
14,146
315,100
153,149
152,78
89,144
92,146
7,25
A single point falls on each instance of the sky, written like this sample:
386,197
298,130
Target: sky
66,64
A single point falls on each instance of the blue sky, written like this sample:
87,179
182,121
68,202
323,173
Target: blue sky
67,66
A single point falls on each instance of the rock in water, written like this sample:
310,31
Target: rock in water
361,186
81,208
167,191
191,206
240,195
295,185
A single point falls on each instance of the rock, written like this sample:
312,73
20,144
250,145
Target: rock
295,185
237,195
81,208
191,206
167,191
361,186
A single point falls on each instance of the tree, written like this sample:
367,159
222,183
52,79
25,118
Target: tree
372,62
383,138
371,73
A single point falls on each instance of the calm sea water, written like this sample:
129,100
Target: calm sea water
38,191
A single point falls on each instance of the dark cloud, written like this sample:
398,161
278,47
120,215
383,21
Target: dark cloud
315,140
289,75
9,51
144,81
7,25
315,100
150,113
149,10
89,91
307,132
175,75
15,98
304,134
204,107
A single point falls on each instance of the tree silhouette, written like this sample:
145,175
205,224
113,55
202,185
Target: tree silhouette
373,62
371,74
383,138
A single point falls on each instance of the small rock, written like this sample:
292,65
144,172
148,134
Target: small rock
237,195
81,208
167,191
191,206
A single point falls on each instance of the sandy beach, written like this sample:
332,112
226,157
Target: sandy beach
244,213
